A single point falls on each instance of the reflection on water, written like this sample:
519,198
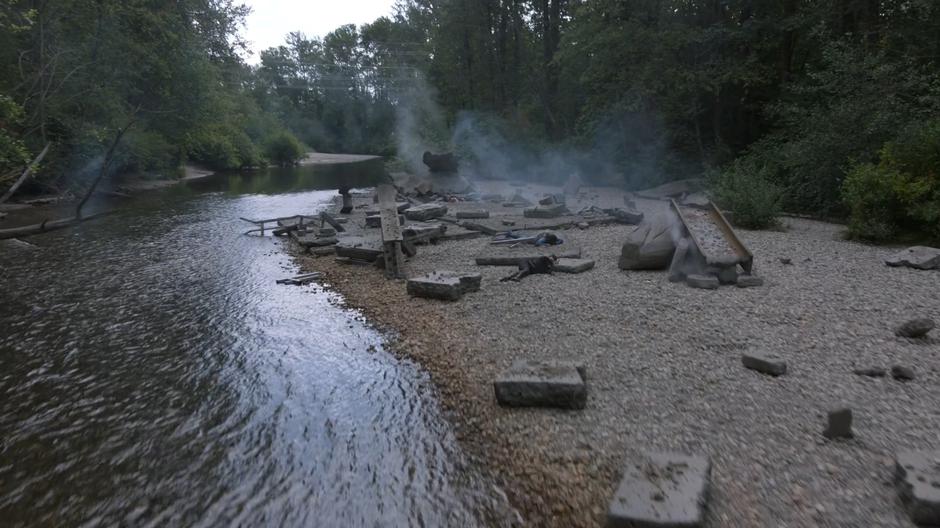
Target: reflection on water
152,373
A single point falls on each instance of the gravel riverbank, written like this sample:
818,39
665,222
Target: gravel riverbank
664,372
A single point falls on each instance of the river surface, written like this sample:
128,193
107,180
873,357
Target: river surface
153,374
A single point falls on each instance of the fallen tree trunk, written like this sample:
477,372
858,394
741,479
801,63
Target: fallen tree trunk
46,226
29,169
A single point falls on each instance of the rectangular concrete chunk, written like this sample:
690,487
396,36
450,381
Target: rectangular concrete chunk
544,211
475,214
542,384
917,474
661,490
764,363
444,285
570,265
420,213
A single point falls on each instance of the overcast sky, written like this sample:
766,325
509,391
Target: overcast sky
271,20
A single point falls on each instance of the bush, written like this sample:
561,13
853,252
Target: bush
13,154
284,150
900,195
748,193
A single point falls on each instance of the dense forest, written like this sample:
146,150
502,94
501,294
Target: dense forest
823,107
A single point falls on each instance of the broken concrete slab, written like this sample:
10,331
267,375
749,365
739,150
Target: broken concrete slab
545,211
359,248
704,282
917,477
444,285
917,257
569,265
839,424
473,214
764,363
423,212
661,490
311,240
677,267
650,246
902,373
542,384
915,328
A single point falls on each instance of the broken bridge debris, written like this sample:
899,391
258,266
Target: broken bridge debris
661,490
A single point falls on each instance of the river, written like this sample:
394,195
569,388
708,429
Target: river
153,374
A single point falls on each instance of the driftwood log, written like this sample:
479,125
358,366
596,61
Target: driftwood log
46,226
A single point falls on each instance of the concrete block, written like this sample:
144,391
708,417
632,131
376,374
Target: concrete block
705,282
839,424
423,212
444,285
544,211
568,265
765,364
917,476
661,490
542,384
473,215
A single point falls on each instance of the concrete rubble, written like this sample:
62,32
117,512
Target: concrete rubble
917,477
424,212
764,363
917,257
915,328
444,285
542,384
839,424
661,490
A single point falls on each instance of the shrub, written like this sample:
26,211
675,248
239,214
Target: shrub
747,191
284,150
901,193
13,154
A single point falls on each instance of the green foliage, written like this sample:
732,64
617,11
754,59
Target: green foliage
748,192
901,193
13,153
284,149
843,111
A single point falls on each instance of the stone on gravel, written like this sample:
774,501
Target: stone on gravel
765,364
915,328
311,240
650,246
704,282
420,213
917,257
568,265
873,372
326,232
917,476
475,214
542,384
444,285
376,220
728,275
661,490
544,211
902,373
839,424
749,281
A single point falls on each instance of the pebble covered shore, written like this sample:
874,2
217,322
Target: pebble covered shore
664,372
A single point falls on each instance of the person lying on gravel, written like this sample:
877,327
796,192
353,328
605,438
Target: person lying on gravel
532,265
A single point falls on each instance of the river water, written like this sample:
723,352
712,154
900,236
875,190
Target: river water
153,374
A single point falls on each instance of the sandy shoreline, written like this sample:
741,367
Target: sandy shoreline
664,372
